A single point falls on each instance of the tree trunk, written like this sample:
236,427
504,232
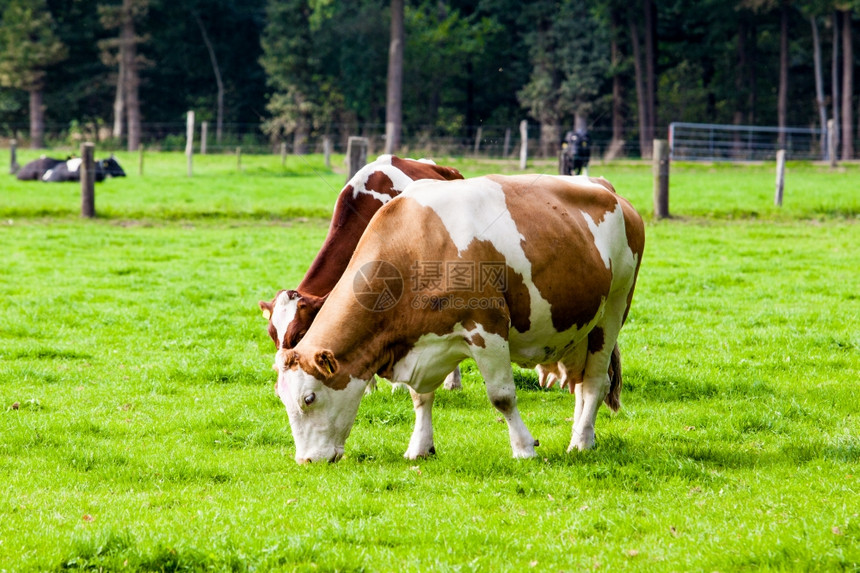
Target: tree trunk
37,119
617,142
119,101
650,70
782,94
132,80
394,101
819,83
834,86
740,82
644,145
219,121
847,88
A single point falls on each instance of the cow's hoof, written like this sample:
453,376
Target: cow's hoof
420,455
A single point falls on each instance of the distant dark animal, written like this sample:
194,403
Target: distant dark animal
60,170
576,152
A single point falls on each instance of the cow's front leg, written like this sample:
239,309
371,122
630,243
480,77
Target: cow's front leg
589,394
421,442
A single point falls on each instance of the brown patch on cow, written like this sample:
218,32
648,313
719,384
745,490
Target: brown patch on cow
477,340
420,170
381,183
596,340
518,291
574,298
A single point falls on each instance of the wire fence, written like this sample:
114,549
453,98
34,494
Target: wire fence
716,142
687,141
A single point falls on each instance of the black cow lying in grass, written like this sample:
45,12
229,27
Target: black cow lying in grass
59,170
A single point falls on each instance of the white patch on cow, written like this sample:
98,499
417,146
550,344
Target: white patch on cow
283,314
47,175
433,356
487,219
399,179
74,164
611,242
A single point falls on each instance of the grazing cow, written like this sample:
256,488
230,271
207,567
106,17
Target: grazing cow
62,170
369,189
537,270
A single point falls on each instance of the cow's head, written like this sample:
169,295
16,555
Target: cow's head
290,314
321,402
111,167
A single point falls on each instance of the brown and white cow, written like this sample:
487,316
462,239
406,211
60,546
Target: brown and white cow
291,312
569,250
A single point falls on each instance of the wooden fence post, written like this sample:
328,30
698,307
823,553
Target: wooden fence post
204,132
239,158
283,154
780,177
13,157
327,151
831,142
189,140
356,154
88,180
140,160
524,145
506,148
661,178
478,137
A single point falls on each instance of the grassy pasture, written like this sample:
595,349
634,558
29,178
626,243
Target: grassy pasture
139,431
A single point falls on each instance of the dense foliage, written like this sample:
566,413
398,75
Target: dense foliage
318,67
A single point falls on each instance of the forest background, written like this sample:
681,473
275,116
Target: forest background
125,72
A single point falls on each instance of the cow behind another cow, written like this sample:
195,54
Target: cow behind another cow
363,195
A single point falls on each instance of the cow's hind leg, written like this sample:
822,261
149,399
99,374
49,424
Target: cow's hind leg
595,384
498,375
453,381
421,442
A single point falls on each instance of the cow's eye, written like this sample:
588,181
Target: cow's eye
309,399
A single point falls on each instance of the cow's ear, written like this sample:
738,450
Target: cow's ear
325,362
266,307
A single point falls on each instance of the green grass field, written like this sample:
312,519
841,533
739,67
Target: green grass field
139,430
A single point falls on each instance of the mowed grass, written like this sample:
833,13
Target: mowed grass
139,430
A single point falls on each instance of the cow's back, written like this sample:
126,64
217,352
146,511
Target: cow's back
563,242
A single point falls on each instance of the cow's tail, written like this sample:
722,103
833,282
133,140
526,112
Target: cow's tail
613,399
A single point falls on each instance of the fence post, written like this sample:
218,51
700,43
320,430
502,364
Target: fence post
524,146
780,177
478,137
661,178
189,140
506,148
88,180
204,132
356,154
831,142
13,157
239,158
140,160
327,151
283,153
